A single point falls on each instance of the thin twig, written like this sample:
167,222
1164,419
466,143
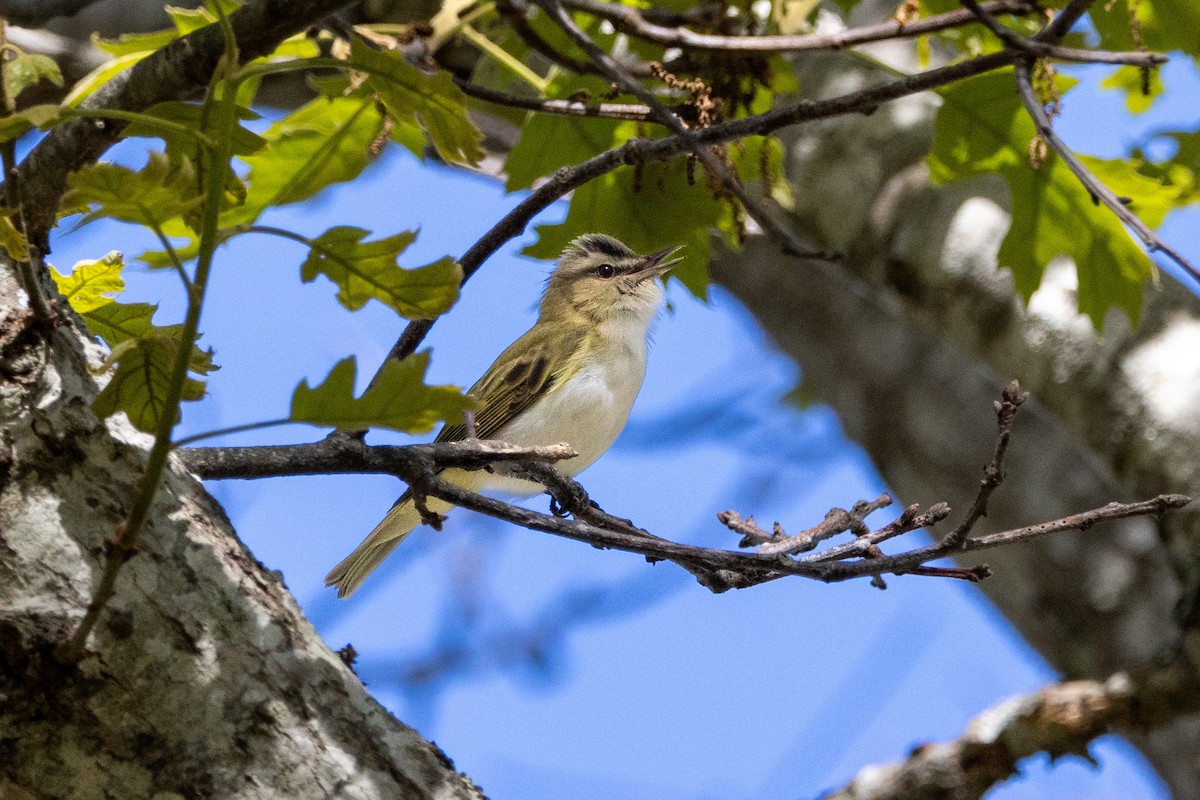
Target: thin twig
1064,20
993,474
632,21
1040,49
1098,190
566,108
836,521
123,545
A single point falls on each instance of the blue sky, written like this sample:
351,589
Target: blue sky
552,669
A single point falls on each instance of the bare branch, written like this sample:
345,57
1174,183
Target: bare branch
993,473
421,465
1100,193
1061,719
633,22
1041,49
566,108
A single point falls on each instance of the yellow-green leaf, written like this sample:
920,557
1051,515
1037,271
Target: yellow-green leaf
411,95
159,192
13,240
324,142
981,128
140,384
368,271
92,283
18,123
399,399
26,70
1141,87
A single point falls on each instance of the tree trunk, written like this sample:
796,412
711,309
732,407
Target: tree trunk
203,678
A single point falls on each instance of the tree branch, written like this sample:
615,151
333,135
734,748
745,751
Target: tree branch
420,466
632,21
1041,49
566,108
1100,193
1061,719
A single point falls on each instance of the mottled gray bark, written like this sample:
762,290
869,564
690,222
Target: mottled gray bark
204,679
911,339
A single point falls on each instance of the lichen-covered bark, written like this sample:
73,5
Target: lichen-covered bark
913,335
204,680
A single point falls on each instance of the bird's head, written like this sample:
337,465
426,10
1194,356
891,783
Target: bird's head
600,278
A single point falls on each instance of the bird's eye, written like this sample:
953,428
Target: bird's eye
606,271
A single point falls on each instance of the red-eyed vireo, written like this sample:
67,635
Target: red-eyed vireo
571,378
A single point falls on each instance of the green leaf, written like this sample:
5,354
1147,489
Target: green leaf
575,139
244,142
1141,87
665,210
92,284
368,271
139,387
159,192
399,399
324,142
88,84
1162,25
134,43
26,70
190,19
983,128
410,96
20,122
12,239
144,355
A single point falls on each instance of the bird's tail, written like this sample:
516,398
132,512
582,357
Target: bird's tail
379,544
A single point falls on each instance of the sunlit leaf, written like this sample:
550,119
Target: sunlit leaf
26,70
158,192
88,84
1141,87
399,399
189,115
12,239
324,142
983,128
190,19
411,95
368,271
18,123
93,283
140,384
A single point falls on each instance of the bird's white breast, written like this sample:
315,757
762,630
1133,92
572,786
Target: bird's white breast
589,409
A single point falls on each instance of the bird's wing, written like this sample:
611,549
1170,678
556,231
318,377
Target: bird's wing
529,368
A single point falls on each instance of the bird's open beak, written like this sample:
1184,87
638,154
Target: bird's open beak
658,262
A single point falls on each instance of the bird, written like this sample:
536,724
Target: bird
571,378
